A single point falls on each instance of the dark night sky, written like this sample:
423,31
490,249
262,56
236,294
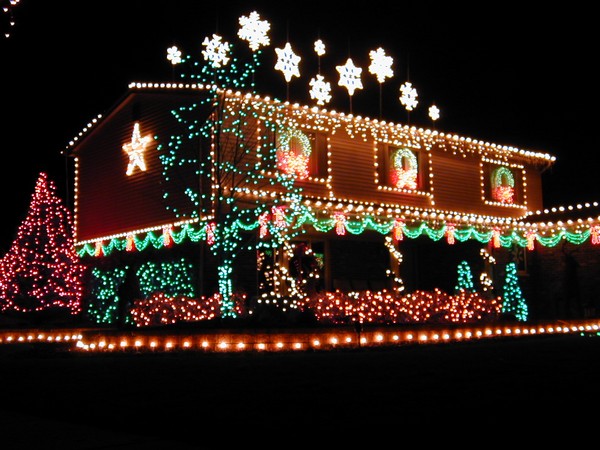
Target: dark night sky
498,73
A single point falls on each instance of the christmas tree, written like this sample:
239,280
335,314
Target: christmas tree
235,154
465,278
41,270
512,298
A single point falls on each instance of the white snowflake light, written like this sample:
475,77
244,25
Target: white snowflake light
320,90
434,112
216,51
350,76
381,64
319,47
174,55
254,30
287,62
409,96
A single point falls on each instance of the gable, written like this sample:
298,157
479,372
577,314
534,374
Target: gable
120,180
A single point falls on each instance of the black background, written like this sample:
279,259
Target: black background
499,73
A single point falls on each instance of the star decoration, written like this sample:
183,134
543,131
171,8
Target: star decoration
216,51
319,47
409,96
174,55
350,76
320,90
287,62
434,112
381,65
135,149
254,30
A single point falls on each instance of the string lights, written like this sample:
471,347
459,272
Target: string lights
41,270
257,150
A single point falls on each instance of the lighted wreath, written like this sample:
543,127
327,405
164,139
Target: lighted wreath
503,185
404,169
294,152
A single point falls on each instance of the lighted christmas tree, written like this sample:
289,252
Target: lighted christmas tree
512,299
41,270
237,162
465,278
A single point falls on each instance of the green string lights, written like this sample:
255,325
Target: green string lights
172,278
512,298
194,232
102,307
227,147
465,278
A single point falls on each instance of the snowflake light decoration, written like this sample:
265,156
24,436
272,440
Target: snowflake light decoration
381,64
350,76
216,51
320,90
434,112
319,47
409,96
174,55
287,62
254,30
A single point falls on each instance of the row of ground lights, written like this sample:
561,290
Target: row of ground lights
49,337
281,342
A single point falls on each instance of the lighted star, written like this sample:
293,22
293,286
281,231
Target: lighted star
319,47
320,90
381,65
174,55
135,149
350,76
216,51
434,112
409,96
254,30
287,62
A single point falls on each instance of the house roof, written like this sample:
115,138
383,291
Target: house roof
380,129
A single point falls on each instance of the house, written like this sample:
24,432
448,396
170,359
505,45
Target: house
347,203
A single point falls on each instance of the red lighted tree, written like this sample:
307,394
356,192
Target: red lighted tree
41,270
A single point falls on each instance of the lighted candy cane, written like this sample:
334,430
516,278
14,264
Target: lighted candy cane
263,220
595,232
130,245
166,232
98,251
340,223
397,230
450,227
496,237
278,216
210,233
530,240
